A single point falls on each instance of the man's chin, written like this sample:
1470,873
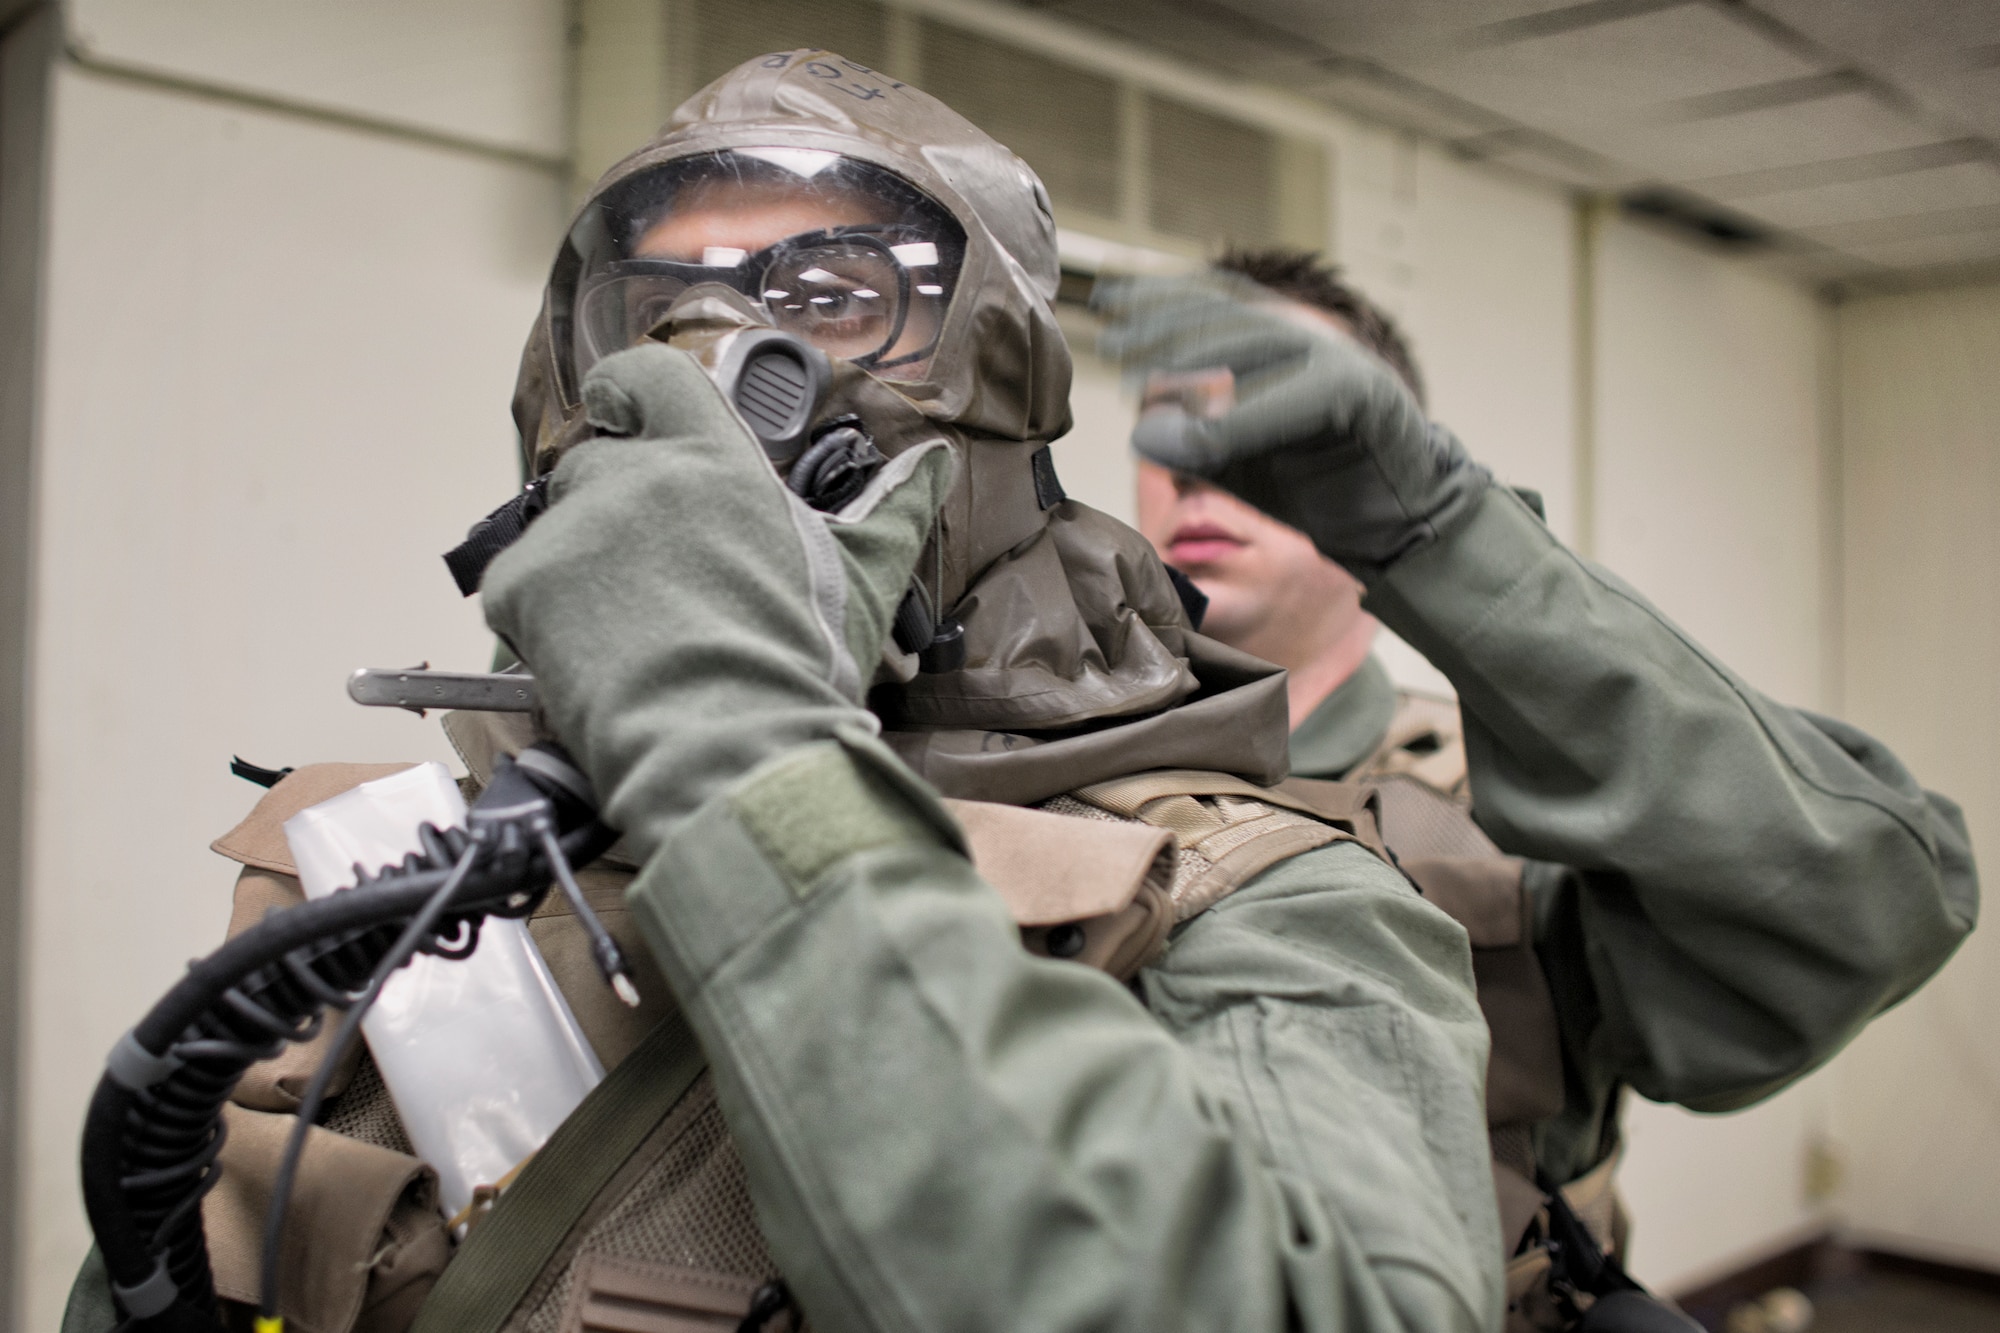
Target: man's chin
1229,613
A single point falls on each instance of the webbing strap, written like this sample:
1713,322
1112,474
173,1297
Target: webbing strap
1426,741
1236,832
1594,1198
500,1260
1128,795
1241,854
1338,801
1186,818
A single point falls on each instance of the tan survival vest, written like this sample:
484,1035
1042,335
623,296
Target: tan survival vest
635,1216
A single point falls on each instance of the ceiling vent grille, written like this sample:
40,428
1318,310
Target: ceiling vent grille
725,33
1062,120
1209,178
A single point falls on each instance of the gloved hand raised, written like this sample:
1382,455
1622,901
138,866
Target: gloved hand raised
1322,435
687,617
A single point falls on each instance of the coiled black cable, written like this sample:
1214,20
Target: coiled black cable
154,1128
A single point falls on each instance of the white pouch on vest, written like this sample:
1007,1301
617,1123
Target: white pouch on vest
482,1056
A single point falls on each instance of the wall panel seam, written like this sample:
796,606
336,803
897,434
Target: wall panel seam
1585,246
27,57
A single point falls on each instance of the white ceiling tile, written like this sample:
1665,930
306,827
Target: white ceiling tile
1551,159
1928,251
1971,96
1619,70
1964,185
1384,96
1779,136
1859,167
1907,226
1939,52
1205,34
1812,267
1376,103
1641,91
1378,27
1893,34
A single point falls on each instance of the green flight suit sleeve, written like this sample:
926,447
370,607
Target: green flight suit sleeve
1727,889
942,1131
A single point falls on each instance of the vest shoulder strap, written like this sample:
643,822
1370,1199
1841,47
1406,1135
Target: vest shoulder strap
1227,831
1425,741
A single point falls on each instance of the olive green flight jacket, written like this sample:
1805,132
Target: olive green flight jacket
1282,1128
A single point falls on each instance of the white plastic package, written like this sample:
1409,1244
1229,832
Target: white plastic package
482,1056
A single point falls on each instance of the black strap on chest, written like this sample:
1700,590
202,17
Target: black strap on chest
493,534
1603,1297
249,772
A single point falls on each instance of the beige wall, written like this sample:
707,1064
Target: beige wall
1917,1109
1478,268
1708,451
277,356
1094,460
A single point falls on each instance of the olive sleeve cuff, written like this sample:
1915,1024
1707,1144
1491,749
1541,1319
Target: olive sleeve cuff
1442,593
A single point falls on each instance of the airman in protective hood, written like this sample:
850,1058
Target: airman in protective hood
816,185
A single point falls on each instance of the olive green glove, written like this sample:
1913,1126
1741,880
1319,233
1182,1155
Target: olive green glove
686,616
1322,436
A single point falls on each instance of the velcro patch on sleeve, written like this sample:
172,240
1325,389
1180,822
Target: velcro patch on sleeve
818,806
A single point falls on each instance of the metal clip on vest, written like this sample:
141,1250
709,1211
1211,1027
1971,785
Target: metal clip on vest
154,1129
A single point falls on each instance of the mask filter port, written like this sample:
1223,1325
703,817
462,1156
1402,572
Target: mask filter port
775,380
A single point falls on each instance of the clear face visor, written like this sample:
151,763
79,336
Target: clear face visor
841,252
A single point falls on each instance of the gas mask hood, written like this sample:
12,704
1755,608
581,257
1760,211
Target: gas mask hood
920,254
